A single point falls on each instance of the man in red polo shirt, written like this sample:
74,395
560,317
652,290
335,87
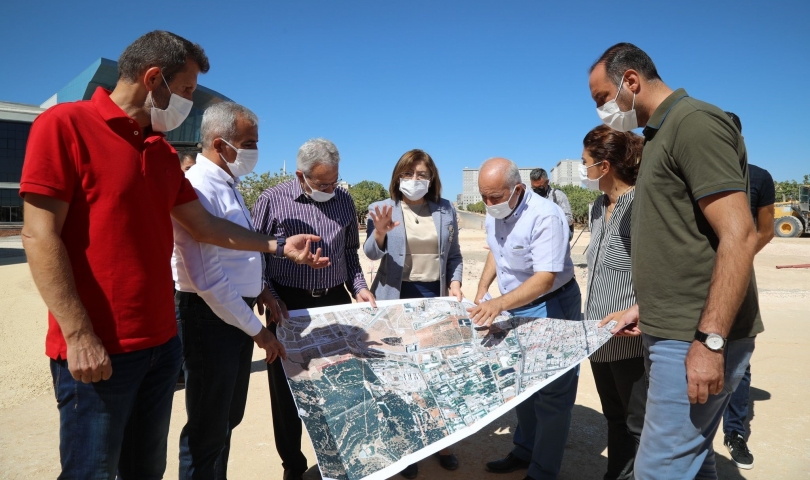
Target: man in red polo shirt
99,184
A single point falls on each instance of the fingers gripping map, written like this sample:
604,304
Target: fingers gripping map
379,389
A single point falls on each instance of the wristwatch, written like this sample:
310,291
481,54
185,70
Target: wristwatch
281,240
713,341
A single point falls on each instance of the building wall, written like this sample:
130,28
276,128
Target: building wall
566,172
13,138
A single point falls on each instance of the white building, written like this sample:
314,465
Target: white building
566,172
469,185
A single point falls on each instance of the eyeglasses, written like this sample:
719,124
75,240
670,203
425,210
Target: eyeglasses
416,176
326,186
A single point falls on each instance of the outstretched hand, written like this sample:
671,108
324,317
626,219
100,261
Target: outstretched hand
382,218
297,249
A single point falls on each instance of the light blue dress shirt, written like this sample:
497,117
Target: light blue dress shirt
534,238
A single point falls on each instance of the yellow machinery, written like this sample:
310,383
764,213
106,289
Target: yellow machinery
791,219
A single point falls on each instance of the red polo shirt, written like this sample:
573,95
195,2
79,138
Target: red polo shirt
121,182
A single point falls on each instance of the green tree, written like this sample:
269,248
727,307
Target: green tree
251,186
477,207
579,198
364,194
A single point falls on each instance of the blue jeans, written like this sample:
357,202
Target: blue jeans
676,441
217,369
545,418
118,425
737,411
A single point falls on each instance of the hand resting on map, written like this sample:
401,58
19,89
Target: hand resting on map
626,322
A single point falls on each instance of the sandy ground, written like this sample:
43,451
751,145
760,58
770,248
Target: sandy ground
780,422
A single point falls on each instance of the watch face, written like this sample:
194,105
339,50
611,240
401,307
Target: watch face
715,342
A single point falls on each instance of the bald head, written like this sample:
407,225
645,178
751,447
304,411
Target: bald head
498,180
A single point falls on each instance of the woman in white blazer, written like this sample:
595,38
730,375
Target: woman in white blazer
414,234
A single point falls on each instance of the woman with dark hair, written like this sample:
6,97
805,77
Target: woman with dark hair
610,162
415,235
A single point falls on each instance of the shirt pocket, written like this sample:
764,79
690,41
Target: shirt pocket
617,253
519,257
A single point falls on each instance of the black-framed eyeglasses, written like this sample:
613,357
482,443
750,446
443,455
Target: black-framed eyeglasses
415,176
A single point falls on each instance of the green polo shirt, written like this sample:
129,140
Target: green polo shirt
692,150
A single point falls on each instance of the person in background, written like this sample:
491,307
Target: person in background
187,160
415,235
216,292
540,186
99,244
610,161
762,198
531,259
310,202
692,260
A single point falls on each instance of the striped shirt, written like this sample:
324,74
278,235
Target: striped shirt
286,210
610,285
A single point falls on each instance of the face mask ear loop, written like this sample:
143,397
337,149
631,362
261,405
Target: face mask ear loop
634,102
621,84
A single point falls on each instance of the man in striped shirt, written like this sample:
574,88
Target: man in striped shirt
310,202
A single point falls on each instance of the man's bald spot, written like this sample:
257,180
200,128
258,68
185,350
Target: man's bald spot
493,171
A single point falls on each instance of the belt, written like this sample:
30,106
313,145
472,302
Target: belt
549,296
314,293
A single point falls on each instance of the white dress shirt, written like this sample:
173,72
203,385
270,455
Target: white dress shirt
219,275
534,238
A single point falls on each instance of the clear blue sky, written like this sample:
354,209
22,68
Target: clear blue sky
463,80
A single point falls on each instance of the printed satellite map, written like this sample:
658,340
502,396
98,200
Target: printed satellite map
379,389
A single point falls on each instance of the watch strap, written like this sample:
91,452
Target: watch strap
281,240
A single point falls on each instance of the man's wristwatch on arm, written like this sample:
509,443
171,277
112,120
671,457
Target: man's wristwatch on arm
712,341
281,240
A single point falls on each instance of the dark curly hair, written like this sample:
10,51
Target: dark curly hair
622,150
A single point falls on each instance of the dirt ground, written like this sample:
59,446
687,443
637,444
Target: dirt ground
780,419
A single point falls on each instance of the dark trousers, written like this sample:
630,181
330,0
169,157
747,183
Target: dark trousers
622,387
217,370
737,410
120,425
287,427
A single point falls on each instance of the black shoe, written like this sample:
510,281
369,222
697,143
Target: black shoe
411,471
740,455
448,462
507,465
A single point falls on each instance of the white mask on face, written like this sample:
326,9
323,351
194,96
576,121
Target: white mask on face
590,184
501,210
318,195
615,118
414,189
245,160
174,115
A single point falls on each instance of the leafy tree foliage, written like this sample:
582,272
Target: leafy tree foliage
789,189
477,207
579,198
253,185
364,194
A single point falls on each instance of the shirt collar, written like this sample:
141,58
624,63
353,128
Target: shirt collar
660,113
520,207
114,115
206,164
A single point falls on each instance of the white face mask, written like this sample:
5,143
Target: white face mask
174,115
414,189
501,210
615,118
245,160
590,184
318,195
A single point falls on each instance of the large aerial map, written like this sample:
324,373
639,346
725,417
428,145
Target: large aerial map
379,389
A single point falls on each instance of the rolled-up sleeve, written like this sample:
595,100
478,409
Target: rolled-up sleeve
202,265
549,244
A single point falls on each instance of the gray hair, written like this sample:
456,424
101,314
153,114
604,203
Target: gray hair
318,151
511,172
219,121
538,174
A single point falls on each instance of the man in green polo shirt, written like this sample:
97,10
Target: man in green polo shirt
693,249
